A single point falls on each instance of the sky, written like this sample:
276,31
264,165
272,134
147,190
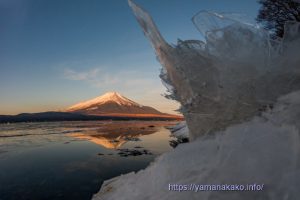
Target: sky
55,53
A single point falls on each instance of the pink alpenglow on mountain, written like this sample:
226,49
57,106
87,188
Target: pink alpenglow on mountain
115,104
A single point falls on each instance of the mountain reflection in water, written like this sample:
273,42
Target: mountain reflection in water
114,136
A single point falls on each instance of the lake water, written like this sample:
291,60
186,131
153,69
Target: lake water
70,160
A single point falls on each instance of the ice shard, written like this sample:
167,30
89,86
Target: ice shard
236,73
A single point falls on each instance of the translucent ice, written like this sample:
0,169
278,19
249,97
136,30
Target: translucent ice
233,75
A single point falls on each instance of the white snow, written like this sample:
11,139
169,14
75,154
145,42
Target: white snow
107,97
265,150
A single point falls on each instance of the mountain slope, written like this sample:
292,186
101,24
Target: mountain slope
113,103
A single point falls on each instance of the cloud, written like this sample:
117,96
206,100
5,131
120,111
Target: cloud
81,76
98,78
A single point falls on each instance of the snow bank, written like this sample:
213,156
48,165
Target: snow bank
265,150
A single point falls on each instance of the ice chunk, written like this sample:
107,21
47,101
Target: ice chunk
206,21
264,150
180,130
231,76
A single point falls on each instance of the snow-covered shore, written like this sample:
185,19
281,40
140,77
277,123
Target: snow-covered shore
265,150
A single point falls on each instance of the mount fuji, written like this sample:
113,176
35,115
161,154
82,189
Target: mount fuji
115,104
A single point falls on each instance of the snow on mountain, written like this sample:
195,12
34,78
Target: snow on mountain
107,97
112,103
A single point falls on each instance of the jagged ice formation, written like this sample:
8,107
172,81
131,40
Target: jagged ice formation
231,76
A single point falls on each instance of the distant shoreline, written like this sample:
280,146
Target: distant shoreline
65,116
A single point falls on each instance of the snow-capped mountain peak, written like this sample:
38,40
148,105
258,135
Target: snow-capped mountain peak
113,97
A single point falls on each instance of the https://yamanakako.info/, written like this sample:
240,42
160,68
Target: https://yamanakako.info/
215,187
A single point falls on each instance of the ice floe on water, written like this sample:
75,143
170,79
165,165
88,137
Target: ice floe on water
240,95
